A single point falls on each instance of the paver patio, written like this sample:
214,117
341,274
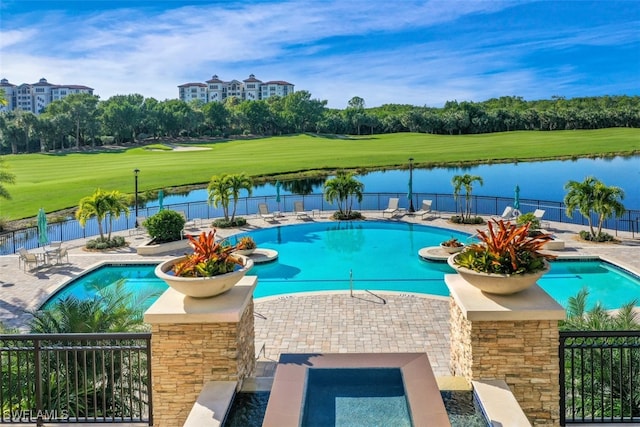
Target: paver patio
312,322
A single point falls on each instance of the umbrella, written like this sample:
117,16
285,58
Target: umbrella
160,200
516,199
278,185
43,239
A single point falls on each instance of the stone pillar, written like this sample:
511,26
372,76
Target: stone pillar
195,341
512,338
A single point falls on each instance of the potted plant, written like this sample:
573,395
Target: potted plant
212,268
451,246
506,261
245,246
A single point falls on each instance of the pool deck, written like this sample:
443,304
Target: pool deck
312,322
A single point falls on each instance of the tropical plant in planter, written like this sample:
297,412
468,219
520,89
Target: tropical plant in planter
212,268
452,245
506,261
245,246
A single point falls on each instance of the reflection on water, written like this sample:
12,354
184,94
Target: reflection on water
537,180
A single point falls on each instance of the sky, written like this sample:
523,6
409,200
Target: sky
421,53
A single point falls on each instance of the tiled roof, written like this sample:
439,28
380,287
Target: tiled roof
193,84
278,82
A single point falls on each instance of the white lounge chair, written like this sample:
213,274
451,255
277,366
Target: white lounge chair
298,208
424,209
263,210
507,215
393,206
538,214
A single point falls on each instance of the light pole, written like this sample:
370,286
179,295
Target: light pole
135,175
411,209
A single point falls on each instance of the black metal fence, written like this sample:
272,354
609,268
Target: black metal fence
71,378
600,377
482,205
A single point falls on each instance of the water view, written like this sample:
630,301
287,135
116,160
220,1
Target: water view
537,180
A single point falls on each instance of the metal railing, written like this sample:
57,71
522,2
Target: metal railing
71,378
482,205
599,377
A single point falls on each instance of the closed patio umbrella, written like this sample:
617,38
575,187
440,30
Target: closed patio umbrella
160,200
278,185
516,199
43,239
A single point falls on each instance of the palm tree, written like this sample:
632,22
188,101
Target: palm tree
100,204
343,189
465,181
238,182
593,196
118,204
220,192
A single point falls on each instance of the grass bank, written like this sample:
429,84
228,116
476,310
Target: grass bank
56,181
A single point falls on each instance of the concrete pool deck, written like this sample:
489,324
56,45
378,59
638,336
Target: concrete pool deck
312,322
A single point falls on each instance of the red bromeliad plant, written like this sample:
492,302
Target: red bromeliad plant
209,257
505,249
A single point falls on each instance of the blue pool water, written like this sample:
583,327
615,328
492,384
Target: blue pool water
355,397
380,255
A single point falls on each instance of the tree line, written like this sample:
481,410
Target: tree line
81,120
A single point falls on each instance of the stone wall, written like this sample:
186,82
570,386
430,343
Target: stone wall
195,341
523,353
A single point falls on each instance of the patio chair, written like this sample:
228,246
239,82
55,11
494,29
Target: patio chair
392,208
507,215
424,209
298,208
26,258
62,253
263,210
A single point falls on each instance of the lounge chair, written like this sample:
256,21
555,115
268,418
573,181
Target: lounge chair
424,209
26,258
298,208
538,214
264,212
507,215
393,206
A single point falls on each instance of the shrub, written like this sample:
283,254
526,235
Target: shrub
457,219
165,226
599,238
225,223
342,216
103,243
529,218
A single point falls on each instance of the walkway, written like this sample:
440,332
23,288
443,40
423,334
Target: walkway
319,322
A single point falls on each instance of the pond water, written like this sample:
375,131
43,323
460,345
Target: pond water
537,180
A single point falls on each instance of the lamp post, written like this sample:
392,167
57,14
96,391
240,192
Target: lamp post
135,175
411,209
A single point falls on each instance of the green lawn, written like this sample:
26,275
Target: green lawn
58,181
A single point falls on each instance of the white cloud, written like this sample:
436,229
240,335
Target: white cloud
335,50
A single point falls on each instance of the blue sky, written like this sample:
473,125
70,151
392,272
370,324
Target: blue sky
400,52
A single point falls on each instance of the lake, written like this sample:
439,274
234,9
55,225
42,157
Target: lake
537,180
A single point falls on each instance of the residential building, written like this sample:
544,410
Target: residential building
216,90
35,97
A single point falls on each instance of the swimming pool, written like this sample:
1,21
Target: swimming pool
373,255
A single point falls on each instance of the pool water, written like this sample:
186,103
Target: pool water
248,409
359,397
371,255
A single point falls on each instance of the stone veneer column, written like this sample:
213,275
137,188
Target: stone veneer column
512,338
195,341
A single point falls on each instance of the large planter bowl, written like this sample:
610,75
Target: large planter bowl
451,249
498,284
201,287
